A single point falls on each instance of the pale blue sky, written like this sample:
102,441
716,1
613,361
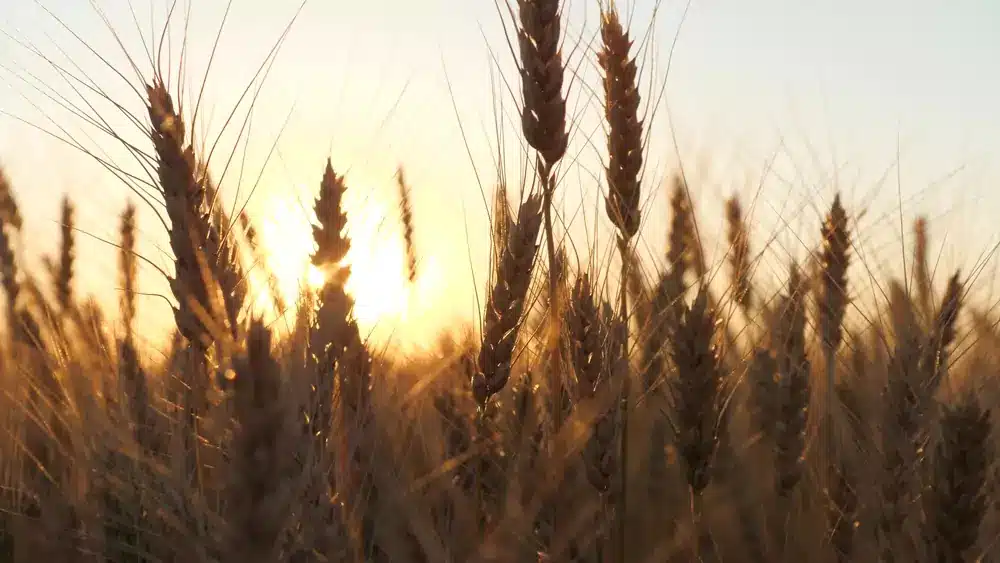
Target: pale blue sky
824,85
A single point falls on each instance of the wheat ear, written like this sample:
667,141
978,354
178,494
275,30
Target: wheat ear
955,505
184,196
792,385
406,217
942,335
587,335
67,255
131,374
739,254
506,302
921,271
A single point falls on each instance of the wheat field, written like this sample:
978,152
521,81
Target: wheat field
612,414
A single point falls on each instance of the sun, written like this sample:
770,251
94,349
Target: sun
377,283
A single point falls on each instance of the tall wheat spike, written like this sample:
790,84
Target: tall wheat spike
10,279
921,270
133,377
196,314
588,338
128,267
666,304
543,115
342,363
10,214
739,254
942,335
406,217
832,306
64,274
506,302
792,385
696,399
185,199
621,111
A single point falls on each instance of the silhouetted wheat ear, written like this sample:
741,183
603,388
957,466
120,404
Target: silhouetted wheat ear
792,385
406,217
506,302
543,118
132,377
942,334
184,198
667,296
696,390
621,111
921,271
587,339
10,279
954,504
680,235
10,226
128,267
64,274
663,317
332,242
739,254
9,212
335,327
834,259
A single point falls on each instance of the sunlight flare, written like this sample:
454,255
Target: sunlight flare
378,281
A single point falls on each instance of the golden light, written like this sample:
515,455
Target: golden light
377,282
287,239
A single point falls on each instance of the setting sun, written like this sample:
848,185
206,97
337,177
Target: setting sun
378,281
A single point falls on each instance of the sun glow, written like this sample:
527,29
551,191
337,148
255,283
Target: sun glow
383,297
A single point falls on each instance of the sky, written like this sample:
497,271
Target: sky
782,102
